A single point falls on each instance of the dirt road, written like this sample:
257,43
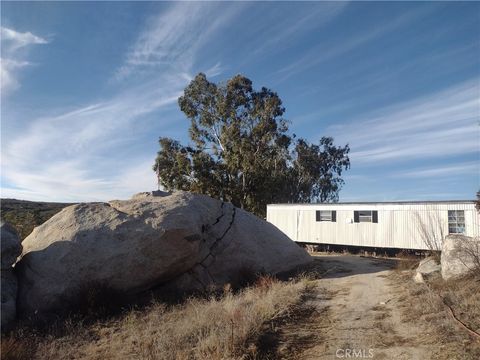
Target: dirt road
361,318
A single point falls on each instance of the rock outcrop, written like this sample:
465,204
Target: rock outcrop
190,241
425,268
11,245
418,278
11,248
428,266
460,254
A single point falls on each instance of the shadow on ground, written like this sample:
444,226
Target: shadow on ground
338,266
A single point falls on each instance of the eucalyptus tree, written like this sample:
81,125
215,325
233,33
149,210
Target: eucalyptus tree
241,150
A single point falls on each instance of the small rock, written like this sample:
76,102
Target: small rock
418,278
428,266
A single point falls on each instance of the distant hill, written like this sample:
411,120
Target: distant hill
25,215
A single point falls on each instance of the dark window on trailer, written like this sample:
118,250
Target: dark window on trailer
326,215
456,221
365,216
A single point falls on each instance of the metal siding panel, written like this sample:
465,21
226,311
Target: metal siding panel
283,220
397,227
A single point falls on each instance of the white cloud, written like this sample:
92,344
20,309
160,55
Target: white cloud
14,44
283,30
14,40
8,68
173,39
471,168
328,51
215,70
60,157
63,157
70,182
443,124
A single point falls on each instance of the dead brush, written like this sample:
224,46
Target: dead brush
265,282
428,305
406,261
222,326
463,296
13,347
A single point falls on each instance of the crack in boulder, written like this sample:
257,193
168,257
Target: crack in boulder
219,239
160,246
221,215
205,268
212,253
213,250
192,273
201,265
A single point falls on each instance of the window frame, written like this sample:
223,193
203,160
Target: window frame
372,217
332,218
367,216
456,221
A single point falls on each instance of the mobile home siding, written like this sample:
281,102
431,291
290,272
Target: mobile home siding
399,224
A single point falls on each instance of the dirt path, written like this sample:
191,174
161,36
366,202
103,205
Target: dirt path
360,317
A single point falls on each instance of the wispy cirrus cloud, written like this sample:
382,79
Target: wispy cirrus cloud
63,157
440,125
282,30
173,39
100,143
14,40
339,47
465,168
83,154
14,47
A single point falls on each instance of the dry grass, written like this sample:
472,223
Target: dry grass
220,327
463,296
426,306
406,262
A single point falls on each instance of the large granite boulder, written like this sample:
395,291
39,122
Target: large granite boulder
11,248
460,255
191,241
9,299
11,245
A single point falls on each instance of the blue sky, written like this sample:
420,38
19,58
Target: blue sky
87,89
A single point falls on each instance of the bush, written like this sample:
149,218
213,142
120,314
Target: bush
225,326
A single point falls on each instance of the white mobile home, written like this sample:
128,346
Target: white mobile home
401,225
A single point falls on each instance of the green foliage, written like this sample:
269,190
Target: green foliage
241,151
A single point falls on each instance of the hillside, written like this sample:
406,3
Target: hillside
25,215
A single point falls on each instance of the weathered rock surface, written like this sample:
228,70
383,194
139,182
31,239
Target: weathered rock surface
148,194
11,245
192,241
428,266
458,255
11,248
418,278
8,299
